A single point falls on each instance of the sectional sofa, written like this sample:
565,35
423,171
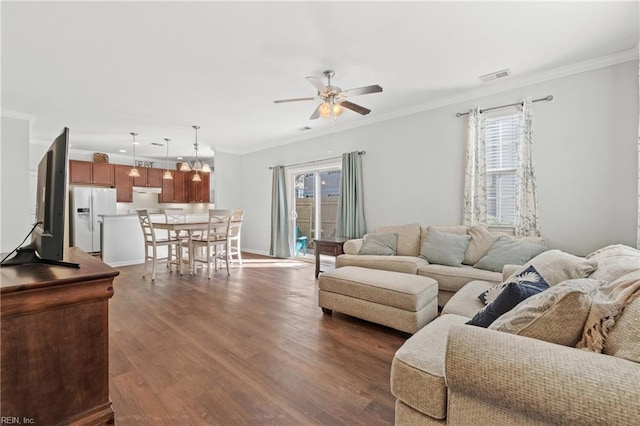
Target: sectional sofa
450,372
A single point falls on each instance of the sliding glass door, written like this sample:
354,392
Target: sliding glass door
314,205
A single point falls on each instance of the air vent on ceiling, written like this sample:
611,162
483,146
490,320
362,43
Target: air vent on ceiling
304,129
157,144
495,75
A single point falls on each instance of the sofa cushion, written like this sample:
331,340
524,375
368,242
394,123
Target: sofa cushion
408,238
614,261
417,371
511,295
452,278
406,264
556,315
454,229
623,340
556,266
465,302
443,248
507,251
379,244
479,244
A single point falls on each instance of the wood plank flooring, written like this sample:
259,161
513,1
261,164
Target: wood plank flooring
251,348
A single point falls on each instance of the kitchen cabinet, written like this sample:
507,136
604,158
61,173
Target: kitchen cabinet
167,194
123,184
87,172
198,191
180,187
149,177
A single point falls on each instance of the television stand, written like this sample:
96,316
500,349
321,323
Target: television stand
28,255
54,343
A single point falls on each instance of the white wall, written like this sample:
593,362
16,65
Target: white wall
16,210
585,153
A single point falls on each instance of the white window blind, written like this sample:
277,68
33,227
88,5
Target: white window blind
501,139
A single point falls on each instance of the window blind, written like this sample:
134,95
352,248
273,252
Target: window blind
501,144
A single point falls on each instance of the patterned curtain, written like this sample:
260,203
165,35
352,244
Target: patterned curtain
526,223
350,222
280,246
475,179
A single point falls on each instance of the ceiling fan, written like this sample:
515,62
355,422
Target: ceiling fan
334,98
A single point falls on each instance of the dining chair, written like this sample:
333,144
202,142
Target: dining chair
151,241
176,215
214,241
235,228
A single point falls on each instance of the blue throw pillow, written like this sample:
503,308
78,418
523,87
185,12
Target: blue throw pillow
510,293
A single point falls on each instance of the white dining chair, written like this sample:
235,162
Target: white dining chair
176,215
151,241
214,241
235,230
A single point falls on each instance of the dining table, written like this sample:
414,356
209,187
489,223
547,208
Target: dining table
190,228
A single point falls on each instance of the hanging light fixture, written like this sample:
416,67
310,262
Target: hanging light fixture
195,164
326,108
167,174
134,172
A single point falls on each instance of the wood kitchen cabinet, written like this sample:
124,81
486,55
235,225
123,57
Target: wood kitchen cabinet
149,177
180,187
123,184
87,172
198,191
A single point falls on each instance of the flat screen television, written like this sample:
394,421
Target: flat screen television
47,235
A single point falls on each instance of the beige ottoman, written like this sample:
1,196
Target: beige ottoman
401,301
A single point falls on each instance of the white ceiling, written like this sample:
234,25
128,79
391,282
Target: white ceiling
106,69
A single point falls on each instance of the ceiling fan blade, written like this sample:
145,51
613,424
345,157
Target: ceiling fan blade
316,113
363,90
317,83
280,101
355,107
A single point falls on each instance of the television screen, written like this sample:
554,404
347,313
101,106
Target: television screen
47,238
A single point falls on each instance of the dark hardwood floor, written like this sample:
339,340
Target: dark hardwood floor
251,348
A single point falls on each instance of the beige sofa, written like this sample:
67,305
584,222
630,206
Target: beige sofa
452,373
410,239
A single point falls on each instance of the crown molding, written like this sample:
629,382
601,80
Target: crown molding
487,89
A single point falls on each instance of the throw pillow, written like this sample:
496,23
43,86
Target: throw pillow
527,277
556,266
511,295
556,315
444,249
507,251
479,244
379,244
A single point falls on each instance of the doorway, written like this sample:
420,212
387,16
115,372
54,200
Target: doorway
314,207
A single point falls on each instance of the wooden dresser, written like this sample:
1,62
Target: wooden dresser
55,342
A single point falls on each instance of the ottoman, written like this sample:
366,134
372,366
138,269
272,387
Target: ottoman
394,299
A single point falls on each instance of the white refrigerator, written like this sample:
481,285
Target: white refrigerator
86,204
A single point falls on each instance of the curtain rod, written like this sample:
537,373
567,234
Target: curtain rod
546,98
316,161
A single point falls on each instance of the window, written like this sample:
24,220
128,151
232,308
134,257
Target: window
501,145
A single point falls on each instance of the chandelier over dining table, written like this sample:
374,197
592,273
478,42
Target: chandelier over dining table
195,163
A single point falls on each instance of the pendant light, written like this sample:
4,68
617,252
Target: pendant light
195,164
167,174
134,172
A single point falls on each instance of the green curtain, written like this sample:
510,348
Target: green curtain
280,246
350,222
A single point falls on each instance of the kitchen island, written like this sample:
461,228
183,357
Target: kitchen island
122,242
